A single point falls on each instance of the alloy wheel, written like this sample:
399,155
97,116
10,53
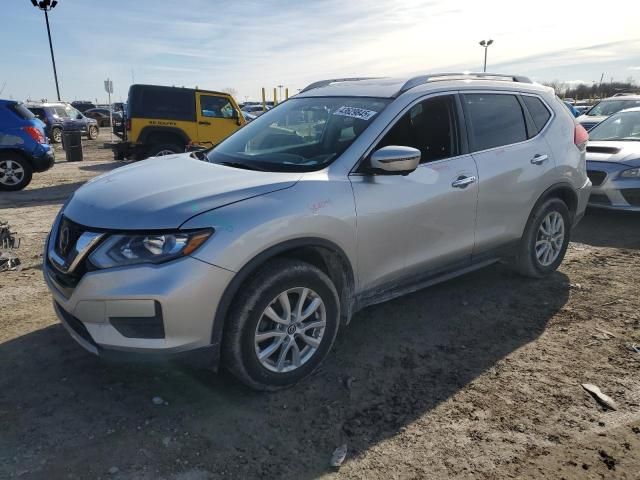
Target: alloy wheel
290,330
164,152
550,238
11,172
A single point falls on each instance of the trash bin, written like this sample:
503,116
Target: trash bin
72,144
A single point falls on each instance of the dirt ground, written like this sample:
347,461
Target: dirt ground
478,377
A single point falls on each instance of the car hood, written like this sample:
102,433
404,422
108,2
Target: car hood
624,152
164,192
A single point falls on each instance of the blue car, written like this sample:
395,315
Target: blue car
24,148
572,109
59,117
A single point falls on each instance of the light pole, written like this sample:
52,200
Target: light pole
485,44
280,91
46,5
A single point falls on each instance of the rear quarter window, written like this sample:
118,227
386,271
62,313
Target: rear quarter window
539,112
495,120
163,103
21,111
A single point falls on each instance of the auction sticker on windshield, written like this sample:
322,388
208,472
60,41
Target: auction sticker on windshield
355,112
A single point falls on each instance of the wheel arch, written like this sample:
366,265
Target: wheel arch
322,253
564,191
150,132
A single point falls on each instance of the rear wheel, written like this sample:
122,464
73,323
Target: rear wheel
56,135
15,171
545,240
282,325
164,149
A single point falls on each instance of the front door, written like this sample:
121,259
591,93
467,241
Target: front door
217,118
413,226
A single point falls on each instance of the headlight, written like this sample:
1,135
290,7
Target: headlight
631,173
118,250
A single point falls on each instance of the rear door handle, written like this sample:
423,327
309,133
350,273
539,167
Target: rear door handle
204,123
463,182
539,159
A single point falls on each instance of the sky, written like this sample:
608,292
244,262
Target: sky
249,44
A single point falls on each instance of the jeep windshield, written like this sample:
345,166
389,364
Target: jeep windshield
301,134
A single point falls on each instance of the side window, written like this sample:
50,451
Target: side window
430,126
216,107
538,111
60,112
170,103
496,120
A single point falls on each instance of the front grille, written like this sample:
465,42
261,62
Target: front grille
76,325
632,196
599,198
596,177
599,149
589,125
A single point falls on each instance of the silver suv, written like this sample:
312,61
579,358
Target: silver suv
353,192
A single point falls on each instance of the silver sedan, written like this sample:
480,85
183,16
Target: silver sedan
613,162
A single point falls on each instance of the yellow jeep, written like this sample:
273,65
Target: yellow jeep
165,120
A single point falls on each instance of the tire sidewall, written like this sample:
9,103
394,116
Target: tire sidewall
547,207
92,128
263,292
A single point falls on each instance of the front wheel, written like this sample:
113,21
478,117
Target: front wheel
56,135
93,132
164,149
545,240
282,325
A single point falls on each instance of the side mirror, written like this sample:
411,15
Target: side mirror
396,159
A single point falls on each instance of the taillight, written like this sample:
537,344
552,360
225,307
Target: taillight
128,124
36,134
580,136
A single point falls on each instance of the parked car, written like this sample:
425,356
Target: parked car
102,116
82,105
606,107
59,117
613,161
260,249
581,109
572,109
23,146
164,120
248,116
255,110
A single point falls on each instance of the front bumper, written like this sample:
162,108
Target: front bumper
610,191
115,312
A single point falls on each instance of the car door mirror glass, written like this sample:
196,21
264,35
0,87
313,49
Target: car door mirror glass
395,159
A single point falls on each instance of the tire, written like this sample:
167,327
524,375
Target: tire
532,259
92,132
164,149
56,135
15,171
247,319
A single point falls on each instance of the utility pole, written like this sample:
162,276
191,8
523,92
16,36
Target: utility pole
46,5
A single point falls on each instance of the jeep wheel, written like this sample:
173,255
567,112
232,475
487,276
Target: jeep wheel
545,239
56,135
165,149
15,171
281,326
93,132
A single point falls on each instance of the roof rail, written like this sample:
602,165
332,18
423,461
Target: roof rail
434,77
324,83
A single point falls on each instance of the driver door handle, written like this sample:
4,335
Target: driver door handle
539,159
463,182
204,123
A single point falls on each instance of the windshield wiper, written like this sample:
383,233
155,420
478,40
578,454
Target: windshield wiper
244,166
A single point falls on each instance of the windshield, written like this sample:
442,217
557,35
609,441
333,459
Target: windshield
301,134
622,126
609,107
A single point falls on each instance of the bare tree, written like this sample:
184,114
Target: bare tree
231,91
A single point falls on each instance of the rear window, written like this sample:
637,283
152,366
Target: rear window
22,111
539,112
496,120
165,103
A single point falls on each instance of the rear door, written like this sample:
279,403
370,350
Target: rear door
217,118
411,226
515,165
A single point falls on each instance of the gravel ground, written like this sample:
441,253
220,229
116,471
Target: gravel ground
478,377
